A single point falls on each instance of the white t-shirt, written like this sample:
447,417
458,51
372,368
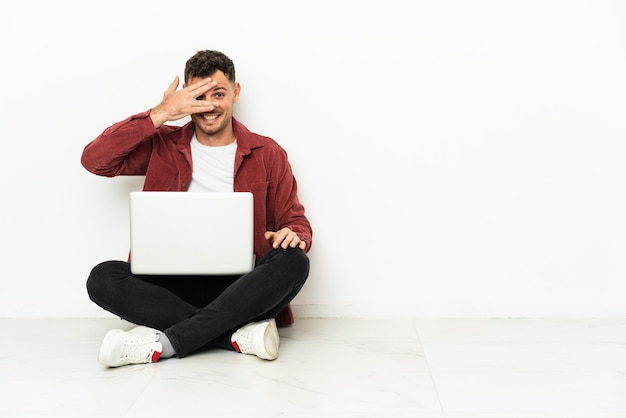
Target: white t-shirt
213,168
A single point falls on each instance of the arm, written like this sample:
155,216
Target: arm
122,149
292,227
125,148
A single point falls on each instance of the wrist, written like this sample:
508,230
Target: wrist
157,117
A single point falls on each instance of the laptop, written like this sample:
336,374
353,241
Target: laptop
183,233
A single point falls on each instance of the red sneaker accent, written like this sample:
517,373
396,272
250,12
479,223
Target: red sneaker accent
236,346
155,356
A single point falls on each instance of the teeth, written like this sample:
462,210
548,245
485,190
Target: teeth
210,117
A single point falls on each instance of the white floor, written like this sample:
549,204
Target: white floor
495,368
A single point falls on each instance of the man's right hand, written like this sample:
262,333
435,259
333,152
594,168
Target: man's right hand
177,104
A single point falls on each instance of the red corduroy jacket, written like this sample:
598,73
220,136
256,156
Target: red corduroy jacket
134,147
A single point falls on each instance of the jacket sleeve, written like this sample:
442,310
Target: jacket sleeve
289,212
122,149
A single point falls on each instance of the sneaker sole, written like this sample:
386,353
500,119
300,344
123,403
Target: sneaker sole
270,340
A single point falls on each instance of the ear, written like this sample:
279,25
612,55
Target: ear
236,92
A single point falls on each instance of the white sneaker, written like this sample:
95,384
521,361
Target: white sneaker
258,338
120,348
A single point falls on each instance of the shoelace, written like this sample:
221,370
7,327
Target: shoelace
139,347
244,341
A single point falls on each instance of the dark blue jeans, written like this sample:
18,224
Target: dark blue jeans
200,312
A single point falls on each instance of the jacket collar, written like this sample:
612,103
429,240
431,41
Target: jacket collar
246,140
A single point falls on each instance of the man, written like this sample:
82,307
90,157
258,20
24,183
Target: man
214,152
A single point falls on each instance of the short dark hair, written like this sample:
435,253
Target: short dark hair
206,63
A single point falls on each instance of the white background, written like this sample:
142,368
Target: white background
456,158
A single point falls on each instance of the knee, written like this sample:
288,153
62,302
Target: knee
295,260
101,279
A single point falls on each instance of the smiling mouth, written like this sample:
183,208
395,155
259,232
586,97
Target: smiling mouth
210,116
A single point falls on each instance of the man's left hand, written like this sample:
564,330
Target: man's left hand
285,238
